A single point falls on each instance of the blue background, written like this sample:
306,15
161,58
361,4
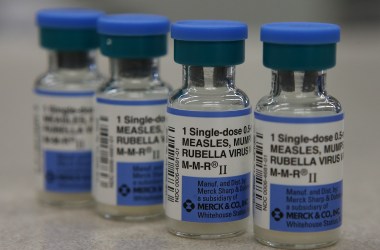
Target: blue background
278,200
67,171
190,191
125,173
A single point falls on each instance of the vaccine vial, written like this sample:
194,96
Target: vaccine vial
298,140
63,110
130,118
209,133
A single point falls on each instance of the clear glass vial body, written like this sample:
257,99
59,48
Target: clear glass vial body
208,89
68,71
133,79
298,94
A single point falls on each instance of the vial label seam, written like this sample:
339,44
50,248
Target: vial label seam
298,173
209,157
130,148
63,140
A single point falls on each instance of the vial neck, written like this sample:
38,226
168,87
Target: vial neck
72,61
298,84
134,71
209,78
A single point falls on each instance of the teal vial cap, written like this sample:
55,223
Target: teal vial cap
299,45
133,35
209,43
68,29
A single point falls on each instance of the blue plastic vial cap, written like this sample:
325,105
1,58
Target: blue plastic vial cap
303,33
209,30
133,25
68,18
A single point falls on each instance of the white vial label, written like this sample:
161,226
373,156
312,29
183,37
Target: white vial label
130,150
298,172
63,140
208,165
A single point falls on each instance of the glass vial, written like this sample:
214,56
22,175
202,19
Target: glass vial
63,107
298,140
130,118
209,133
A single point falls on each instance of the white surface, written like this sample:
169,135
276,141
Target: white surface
24,224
